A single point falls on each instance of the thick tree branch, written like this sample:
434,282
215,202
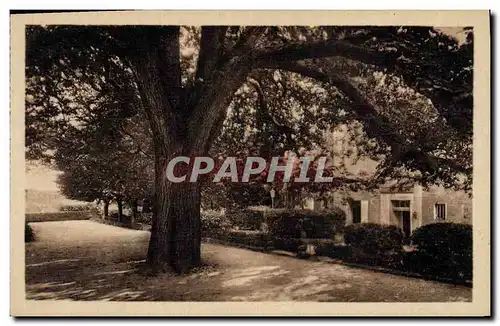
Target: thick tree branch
263,113
321,49
453,104
215,131
153,53
138,146
248,39
211,50
213,102
376,125
212,95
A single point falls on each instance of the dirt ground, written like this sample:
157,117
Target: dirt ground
85,260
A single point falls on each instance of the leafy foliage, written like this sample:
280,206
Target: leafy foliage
29,235
247,219
305,223
332,249
59,216
253,239
77,208
444,249
287,244
373,238
78,82
375,244
213,224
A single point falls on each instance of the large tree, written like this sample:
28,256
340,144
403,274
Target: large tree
185,80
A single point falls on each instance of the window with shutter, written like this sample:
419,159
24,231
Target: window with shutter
440,212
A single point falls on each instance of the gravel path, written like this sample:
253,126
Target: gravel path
85,260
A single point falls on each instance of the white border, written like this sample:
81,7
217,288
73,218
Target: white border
194,4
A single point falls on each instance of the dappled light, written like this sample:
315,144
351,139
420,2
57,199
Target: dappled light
59,268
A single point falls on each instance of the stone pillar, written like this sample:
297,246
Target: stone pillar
385,209
364,211
348,214
416,213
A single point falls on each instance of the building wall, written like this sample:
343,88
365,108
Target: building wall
386,213
377,207
370,207
458,205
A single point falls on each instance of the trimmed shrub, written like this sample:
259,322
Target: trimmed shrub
28,233
389,259
374,238
213,224
338,218
443,249
254,239
282,224
375,244
114,216
59,216
77,208
144,218
322,247
305,223
247,219
330,248
287,244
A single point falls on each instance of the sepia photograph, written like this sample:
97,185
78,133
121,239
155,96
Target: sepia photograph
262,159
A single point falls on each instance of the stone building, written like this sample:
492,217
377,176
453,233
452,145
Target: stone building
407,209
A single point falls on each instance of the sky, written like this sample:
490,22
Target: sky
456,32
40,177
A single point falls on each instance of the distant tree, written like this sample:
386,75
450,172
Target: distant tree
105,164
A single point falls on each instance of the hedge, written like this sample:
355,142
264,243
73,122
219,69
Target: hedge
254,239
213,224
247,219
28,233
375,244
59,216
287,244
443,249
286,227
329,248
144,218
374,238
78,208
305,223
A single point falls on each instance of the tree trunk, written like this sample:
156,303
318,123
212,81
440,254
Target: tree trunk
290,200
120,209
325,203
105,209
134,205
184,122
176,229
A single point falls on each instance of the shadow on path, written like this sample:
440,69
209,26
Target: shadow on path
84,260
